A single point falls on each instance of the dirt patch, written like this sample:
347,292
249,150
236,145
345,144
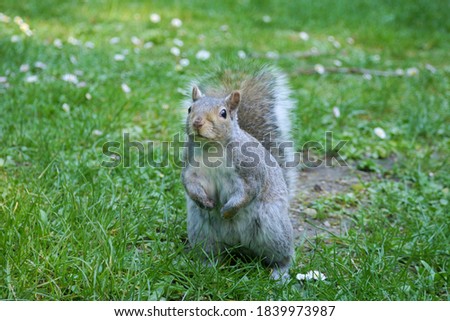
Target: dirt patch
327,182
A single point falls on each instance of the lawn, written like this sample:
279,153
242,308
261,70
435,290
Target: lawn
76,75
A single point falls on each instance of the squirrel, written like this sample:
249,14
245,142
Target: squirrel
238,194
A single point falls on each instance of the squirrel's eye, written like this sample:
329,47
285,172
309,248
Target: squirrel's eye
223,113
189,110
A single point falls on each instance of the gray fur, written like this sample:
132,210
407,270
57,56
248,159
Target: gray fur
234,205
265,108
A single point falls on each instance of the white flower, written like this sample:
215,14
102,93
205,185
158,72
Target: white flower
148,45
81,84
155,18
4,18
28,32
115,157
114,40
367,76
399,72
73,41
15,38
136,41
97,132
177,23
125,88
203,55
430,68
376,58
175,51
119,57
333,40
350,41
413,71
88,96
31,79
40,65
24,67
337,63
311,275
304,36
336,112
57,43
184,62
272,55
224,28
266,19
3,79
336,44
242,54
66,108
73,59
89,44
319,69
18,20
178,42
24,27
70,78
380,132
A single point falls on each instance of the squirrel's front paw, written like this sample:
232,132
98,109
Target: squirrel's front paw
208,204
205,203
200,198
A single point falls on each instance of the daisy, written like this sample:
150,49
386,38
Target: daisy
177,23
203,55
125,88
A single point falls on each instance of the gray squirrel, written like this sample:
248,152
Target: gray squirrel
237,177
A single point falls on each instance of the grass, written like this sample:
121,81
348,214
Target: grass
71,229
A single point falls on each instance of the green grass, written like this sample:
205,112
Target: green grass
73,230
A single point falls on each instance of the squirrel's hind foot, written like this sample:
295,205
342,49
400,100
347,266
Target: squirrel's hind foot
281,274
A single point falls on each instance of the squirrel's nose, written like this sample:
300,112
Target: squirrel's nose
198,122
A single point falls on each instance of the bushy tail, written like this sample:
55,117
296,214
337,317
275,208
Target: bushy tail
265,108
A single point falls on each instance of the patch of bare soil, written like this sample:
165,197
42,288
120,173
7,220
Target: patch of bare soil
328,182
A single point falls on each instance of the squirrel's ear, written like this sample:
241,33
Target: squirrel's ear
233,100
196,93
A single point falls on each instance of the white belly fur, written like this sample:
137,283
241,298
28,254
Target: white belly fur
219,186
